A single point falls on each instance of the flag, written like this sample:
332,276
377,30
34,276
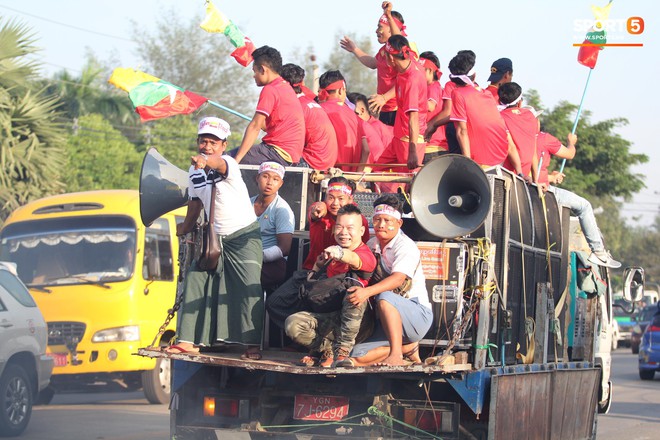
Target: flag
153,98
216,22
595,38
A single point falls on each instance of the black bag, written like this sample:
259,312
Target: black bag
208,259
380,274
320,294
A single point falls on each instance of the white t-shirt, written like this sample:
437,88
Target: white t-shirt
233,209
402,255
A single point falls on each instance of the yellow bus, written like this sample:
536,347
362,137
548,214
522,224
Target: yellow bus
103,281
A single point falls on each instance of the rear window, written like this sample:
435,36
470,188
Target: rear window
16,289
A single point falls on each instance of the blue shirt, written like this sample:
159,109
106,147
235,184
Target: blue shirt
276,219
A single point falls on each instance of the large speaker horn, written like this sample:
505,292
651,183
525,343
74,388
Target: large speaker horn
450,196
163,187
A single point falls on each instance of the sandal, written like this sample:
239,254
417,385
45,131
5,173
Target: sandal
251,355
307,361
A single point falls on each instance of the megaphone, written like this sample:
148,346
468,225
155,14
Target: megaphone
450,196
163,187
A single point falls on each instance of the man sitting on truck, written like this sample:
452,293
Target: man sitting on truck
322,216
402,301
333,334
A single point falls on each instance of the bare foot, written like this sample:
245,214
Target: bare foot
391,361
181,347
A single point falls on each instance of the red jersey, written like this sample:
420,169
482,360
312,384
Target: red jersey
386,79
320,150
493,91
546,146
486,129
450,86
285,123
349,130
434,94
321,236
410,96
384,131
366,257
376,145
523,126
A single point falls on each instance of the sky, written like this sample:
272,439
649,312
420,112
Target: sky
538,35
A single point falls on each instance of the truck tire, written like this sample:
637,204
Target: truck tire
15,401
646,374
156,382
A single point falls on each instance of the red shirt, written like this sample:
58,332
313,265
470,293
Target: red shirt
384,131
493,91
320,150
285,123
410,96
450,86
376,145
523,126
349,131
546,145
486,129
434,94
366,257
386,79
321,236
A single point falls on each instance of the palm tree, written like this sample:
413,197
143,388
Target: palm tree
31,139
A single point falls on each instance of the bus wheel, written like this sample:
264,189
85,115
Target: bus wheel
156,382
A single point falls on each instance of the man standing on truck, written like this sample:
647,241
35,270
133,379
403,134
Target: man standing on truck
501,72
402,301
225,304
278,113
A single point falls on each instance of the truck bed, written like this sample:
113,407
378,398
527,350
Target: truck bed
285,362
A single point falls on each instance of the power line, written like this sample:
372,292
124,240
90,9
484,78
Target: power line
68,25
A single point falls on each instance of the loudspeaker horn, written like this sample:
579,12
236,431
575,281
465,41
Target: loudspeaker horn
163,187
450,196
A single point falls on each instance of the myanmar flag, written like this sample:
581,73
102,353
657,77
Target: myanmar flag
154,98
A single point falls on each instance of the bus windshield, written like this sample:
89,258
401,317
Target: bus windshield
82,250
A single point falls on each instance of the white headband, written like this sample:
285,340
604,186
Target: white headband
387,210
503,106
466,78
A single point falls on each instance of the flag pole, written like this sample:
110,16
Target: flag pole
233,112
577,116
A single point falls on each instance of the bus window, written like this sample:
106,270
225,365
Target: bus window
158,261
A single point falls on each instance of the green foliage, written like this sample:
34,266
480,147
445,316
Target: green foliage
174,138
31,141
100,157
358,77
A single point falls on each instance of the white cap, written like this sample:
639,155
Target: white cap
215,126
272,167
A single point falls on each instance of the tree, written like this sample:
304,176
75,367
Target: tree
358,77
100,157
185,55
31,144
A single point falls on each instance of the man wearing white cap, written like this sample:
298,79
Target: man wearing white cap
225,304
277,224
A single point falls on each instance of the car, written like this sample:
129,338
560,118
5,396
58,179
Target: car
649,349
25,368
642,318
625,322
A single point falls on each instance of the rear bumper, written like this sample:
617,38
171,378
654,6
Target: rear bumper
44,370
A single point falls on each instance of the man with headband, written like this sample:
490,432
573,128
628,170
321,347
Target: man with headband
523,127
322,216
276,220
480,129
405,317
501,72
352,144
390,23
436,144
278,113
412,101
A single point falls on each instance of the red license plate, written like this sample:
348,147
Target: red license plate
60,359
308,407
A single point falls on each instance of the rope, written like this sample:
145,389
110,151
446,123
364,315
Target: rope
378,413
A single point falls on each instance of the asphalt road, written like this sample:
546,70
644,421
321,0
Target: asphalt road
635,413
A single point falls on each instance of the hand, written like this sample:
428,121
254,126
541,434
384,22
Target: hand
430,131
179,229
376,102
198,161
572,139
357,295
318,210
544,187
347,44
413,160
557,177
335,252
387,7
320,261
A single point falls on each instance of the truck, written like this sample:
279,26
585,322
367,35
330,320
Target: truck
104,283
520,345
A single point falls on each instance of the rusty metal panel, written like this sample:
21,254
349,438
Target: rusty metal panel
551,404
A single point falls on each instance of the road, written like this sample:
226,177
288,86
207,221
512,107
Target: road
635,413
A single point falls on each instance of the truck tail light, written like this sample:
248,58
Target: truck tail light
214,406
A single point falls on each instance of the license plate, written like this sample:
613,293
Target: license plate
60,359
308,407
